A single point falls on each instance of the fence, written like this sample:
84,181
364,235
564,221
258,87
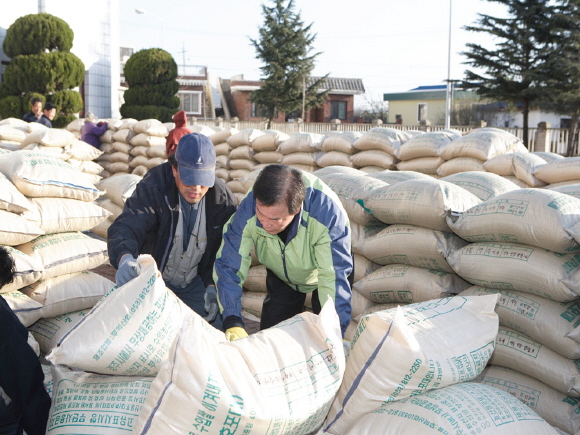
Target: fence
539,139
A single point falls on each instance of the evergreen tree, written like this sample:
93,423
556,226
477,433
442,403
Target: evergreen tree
562,68
41,66
284,46
512,71
151,75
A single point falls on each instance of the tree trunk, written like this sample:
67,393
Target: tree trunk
525,114
572,134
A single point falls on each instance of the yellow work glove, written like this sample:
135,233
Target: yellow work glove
235,333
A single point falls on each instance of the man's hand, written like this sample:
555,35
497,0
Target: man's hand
211,303
236,333
128,269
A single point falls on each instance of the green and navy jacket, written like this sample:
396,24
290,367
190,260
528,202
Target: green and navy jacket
316,255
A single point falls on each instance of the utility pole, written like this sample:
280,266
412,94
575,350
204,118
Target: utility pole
303,95
449,85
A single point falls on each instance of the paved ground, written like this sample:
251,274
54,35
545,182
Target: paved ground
108,271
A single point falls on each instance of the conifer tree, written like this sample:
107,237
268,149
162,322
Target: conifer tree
284,46
562,69
42,66
512,70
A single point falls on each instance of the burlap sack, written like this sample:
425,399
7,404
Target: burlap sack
459,164
500,165
243,137
150,127
269,141
342,142
425,165
301,142
525,166
380,159
382,138
558,170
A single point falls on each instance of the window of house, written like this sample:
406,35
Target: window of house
422,112
190,102
338,110
261,111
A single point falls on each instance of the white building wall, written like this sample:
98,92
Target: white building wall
96,42
535,117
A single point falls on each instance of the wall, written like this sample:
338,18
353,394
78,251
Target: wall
409,111
96,43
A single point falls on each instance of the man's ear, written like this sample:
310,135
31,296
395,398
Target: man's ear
174,170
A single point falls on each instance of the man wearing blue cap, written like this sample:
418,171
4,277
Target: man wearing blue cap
176,214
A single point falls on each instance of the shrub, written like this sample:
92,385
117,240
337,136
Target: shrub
36,33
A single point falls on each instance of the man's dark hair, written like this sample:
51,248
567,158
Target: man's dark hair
49,106
172,160
35,100
278,184
7,267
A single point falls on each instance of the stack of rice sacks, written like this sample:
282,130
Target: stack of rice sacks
46,206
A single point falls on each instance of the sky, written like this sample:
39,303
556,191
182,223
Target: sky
392,45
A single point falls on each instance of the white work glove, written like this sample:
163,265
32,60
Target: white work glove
211,303
128,269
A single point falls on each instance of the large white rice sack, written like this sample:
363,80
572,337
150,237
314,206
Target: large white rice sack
359,232
88,403
50,137
349,188
425,165
221,136
393,177
252,302
59,215
408,284
27,270
482,144
363,267
382,138
269,141
514,266
569,189
15,229
67,293
301,142
410,244
429,354
378,159
484,185
537,217
519,352
63,253
525,166
37,174
256,279
26,309
466,408
80,150
151,127
285,377
10,197
554,324
335,169
501,165
129,331
244,137
342,142
424,203
424,145
119,187
48,331
559,170
459,164
145,140
553,406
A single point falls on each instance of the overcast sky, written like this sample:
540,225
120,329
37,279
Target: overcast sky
393,45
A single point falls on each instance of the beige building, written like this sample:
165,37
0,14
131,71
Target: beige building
425,103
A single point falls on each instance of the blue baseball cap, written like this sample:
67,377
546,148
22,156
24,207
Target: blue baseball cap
195,156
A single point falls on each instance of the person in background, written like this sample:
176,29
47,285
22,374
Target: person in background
177,214
92,131
180,120
301,233
48,114
24,402
35,110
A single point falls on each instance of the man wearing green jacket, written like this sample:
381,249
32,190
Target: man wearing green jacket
301,233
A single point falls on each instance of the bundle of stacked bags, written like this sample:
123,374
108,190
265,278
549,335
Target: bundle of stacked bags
486,248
